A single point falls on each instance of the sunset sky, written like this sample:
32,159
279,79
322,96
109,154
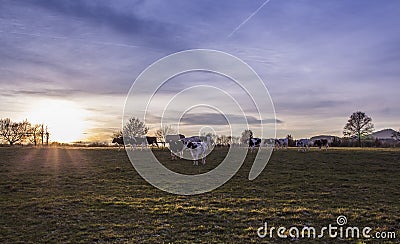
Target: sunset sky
70,64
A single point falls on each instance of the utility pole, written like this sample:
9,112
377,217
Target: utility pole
42,134
47,136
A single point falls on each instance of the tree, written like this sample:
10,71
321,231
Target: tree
44,133
34,133
117,134
291,142
246,136
135,127
224,140
165,130
359,125
336,142
396,135
14,132
235,139
47,134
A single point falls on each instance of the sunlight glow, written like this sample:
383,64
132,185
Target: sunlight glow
65,120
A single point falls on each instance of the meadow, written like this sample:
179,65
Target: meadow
95,195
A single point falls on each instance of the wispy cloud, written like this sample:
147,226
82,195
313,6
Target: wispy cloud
218,119
107,14
317,59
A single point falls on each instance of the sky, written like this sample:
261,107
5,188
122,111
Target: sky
71,64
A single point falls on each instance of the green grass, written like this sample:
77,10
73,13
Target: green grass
95,195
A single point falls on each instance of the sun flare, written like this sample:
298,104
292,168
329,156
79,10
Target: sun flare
65,120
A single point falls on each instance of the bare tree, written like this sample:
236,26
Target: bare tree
14,132
291,142
34,133
359,125
135,127
47,134
117,134
44,134
235,139
224,140
396,135
165,130
246,136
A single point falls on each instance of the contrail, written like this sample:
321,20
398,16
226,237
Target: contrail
248,18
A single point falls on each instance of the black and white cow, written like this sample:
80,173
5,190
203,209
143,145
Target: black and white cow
151,140
281,143
198,151
321,143
176,148
269,143
119,141
208,140
190,139
303,144
124,141
175,145
138,141
253,143
177,137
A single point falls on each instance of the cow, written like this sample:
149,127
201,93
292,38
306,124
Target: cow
176,148
253,143
175,145
169,138
187,140
151,140
303,145
276,144
208,140
270,142
198,150
281,143
123,141
137,141
119,141
321,143
190,139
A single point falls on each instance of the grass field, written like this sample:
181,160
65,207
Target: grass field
95,195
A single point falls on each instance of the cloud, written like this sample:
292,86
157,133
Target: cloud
47,92
218,119
317,59
104,13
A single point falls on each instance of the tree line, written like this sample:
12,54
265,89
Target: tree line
356,132
18,132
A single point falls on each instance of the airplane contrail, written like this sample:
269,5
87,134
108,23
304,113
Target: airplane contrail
248,18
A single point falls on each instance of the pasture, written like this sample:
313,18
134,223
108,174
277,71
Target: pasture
95,195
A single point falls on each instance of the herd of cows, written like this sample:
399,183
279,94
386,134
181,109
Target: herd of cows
198,145
301,144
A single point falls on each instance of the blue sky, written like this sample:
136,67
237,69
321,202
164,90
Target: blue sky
320,60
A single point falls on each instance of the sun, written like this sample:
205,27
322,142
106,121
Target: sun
65,119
